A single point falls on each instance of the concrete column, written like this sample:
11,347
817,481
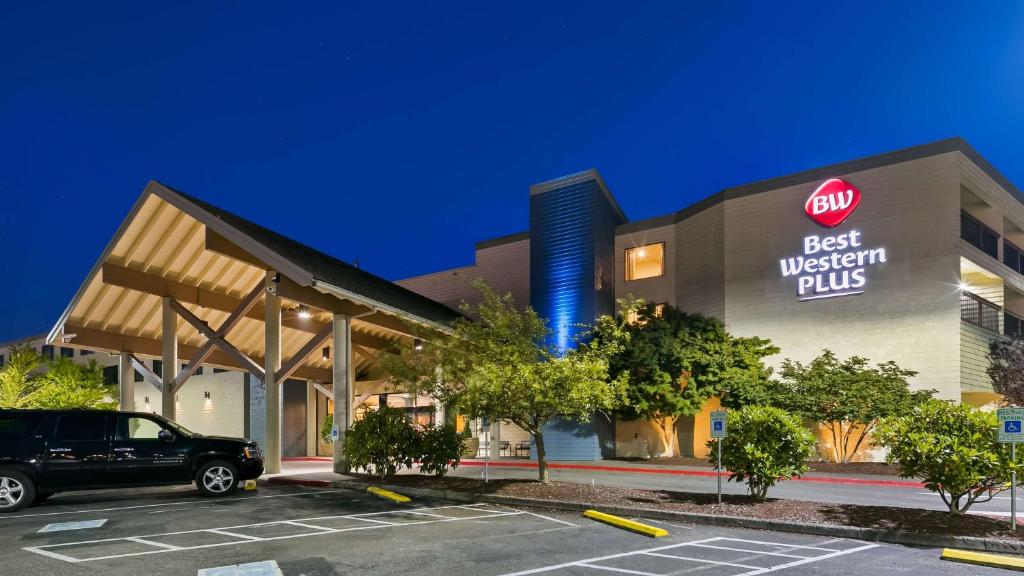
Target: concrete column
169,339
126,383
344,382
272,363
312,424
495,439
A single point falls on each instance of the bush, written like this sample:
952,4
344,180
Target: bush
764,445
382,442
385,441
326,428
954,448
440,448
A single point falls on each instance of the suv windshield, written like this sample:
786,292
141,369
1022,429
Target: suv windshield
181,430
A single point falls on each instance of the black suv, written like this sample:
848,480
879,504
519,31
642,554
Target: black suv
47,451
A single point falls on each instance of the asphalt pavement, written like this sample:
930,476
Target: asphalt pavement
295,530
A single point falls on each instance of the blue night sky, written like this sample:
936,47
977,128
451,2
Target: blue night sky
399,135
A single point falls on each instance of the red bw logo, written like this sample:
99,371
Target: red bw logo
832,202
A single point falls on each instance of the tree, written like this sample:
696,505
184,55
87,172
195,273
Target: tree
504,366
63,384
69,385
676,361
954,448
18,385
383,441
765,445
1006,369
850,397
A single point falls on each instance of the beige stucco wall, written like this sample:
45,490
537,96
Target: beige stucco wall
505,267
909,310
223,414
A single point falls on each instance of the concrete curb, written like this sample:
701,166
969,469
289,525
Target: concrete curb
869,534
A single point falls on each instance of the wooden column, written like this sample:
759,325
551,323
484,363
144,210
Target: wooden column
125,383
272,363
343,379
169,357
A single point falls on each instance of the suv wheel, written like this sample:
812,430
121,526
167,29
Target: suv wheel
217,478
16,491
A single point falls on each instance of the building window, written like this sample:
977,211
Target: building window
633,316
66,352
85,352
1012,325
977,310
158,367
1,360
645,261
47,352
110,375
978,235
1013,257
138,376
219,370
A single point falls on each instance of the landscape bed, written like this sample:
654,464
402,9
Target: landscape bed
914,520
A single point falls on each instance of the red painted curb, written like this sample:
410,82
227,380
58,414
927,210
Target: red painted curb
300,481
704,473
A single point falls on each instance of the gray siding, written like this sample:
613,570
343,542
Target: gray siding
974,343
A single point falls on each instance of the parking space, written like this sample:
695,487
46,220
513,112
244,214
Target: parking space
292,531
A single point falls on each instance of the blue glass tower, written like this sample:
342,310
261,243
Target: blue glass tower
572,279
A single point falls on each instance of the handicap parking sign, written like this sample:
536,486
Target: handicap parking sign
718,424
1011,424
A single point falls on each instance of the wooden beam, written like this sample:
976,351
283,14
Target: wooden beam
113,343
295,361
214,242
324,390
218,340
305,294
151,284
147,374
206,349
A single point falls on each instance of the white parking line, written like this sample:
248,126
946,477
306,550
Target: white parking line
95,510
235,532
663,552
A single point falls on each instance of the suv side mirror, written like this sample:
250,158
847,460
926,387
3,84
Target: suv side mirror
165,436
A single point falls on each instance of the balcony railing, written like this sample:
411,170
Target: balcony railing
977,310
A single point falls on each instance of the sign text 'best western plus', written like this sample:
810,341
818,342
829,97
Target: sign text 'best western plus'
832,264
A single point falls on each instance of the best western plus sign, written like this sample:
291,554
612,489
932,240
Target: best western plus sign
833,265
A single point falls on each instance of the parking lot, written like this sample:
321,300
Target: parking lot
294,531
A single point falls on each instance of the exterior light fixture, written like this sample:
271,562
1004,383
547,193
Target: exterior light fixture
327,352
964,286
417,344
304,312
147,400
206,395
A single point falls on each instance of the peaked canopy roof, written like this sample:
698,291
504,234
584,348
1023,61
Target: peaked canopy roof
207,259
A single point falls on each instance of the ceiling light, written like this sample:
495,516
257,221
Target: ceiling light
327,352
304,312
417,344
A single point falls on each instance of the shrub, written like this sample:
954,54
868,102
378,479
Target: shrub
764,445
440,448
954,448
382,442
326,428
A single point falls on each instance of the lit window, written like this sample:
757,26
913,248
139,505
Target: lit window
645,261
633,316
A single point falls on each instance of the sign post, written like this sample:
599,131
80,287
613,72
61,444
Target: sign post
485,427
718,431
1011,429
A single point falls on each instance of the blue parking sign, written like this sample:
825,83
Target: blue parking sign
1011,424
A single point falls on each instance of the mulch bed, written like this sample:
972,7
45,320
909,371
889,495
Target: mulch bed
874,468
883,517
